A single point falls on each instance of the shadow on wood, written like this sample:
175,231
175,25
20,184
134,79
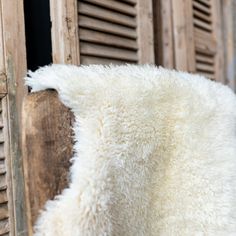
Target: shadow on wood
47,149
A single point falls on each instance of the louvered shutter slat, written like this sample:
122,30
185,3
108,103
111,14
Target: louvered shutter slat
202,16
206,2
2,153
204,38
202,25
98,37
3,196
107,52
114,5
204,42
103,26
201,7
3,211
107,15
204,59
4,227
1,136
3,182
204,67
2,167
131,2
94,60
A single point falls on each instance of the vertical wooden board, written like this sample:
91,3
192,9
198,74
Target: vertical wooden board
145,31
3,86
179,29
191,62
166,47
65,41
47,138
15,66
183,34
184,48
217,22
228,32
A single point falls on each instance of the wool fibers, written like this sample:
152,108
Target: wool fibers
155,153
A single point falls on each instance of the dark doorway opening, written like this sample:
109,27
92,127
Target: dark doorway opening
38,33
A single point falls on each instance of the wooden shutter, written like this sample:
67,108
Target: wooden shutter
6,204
6,210
107,31
197,36
208,38
104,31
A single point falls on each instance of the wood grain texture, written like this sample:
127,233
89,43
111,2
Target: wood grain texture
167,41
107,27
4,227
204,8
90,49
3,196
65,42
106,39
116,6
107,32
229,33
145,32
191,63
106,14
86,60
3,78
15,69
47,138
180,32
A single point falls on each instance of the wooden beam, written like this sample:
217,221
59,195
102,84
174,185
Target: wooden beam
47,138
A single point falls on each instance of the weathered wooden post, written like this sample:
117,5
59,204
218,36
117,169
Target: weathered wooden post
47,142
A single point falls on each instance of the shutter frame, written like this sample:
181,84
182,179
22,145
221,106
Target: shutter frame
145,31
218,35
194,37
183,35
64,31
13,69
66,26
229,7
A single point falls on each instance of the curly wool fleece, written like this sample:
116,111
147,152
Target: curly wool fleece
155,153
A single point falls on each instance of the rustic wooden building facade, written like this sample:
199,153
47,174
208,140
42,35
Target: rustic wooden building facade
198,36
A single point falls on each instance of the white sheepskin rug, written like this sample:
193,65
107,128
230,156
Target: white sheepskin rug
155,153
